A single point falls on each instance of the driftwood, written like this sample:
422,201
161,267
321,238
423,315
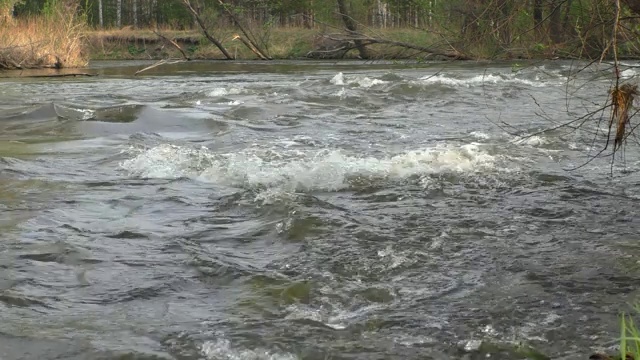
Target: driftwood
166,61
353,41
216,42
58,75
159,63
324,54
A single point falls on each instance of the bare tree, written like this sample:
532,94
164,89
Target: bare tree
250,41
203,27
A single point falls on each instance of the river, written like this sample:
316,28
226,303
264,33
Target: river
313,210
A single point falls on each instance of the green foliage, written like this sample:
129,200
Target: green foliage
133,50
49,7
10,3
629,336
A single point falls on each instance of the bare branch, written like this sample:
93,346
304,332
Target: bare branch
196,15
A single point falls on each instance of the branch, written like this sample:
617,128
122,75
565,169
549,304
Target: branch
254,47
57,75
251,47
218,44
367,40
161,62
175,44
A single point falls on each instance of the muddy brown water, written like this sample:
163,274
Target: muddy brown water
312,210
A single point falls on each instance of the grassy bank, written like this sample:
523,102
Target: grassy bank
280,43
51,41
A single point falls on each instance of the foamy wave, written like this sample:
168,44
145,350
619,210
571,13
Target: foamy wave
628,73
222,349
480,135
298,312
478,80
167,161
301,170
217,92
333,316
531,141
363,82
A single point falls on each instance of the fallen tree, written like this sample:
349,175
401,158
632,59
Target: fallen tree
356,40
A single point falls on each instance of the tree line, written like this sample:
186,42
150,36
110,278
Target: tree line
500,25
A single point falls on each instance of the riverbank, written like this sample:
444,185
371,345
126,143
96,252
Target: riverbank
279,43
58,43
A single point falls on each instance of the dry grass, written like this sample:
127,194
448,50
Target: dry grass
54,41
128,33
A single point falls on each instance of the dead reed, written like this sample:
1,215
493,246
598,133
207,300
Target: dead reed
55,40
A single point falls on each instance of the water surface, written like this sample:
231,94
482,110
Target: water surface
311,210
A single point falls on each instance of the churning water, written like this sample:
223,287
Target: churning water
312,211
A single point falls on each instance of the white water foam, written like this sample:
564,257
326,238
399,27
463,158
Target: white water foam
218,92
301,170
478,80
221,349
334,317
363,82
628,74
533,141
480,135
338,79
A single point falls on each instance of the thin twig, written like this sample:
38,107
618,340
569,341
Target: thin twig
159,63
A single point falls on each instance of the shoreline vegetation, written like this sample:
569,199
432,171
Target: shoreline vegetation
55,40
285,43
69,33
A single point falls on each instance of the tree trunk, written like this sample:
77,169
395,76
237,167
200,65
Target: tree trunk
135,14
100,17
566,25
555,21
503,22
263,55
153,12
537,12
216,42
350,24
119,14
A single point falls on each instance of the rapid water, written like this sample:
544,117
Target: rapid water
313,211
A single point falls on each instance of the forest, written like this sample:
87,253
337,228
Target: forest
462,29
475,28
